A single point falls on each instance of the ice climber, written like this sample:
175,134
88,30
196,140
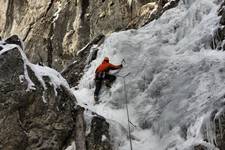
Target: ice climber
102,75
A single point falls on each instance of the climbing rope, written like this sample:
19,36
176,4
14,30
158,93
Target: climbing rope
126,101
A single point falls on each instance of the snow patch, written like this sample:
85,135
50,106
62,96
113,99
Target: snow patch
71,147
56,15
104,138
40,71
168,3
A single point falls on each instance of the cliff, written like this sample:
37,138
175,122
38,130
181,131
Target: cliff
54,30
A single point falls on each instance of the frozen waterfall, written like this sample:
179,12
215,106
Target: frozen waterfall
175,83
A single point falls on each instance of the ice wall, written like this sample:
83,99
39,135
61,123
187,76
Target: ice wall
176,79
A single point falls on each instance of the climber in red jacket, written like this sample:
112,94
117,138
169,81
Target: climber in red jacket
102,74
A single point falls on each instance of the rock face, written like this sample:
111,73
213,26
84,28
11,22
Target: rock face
41,117
219,34
99,138
54,30
147,11
27,122
108,16
220,131
74,71
200,147
48,33
216,126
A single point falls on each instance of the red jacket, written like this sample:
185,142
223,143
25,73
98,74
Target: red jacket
106,67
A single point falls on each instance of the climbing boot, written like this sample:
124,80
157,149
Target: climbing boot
107,84
96,98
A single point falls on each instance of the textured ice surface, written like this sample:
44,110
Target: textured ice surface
176,79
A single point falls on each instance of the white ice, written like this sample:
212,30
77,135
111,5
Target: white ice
176,79
71,147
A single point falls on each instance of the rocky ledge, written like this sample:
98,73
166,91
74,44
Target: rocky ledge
37,109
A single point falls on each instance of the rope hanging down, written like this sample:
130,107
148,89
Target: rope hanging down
128,117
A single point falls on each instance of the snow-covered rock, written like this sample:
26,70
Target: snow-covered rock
38,109
36,103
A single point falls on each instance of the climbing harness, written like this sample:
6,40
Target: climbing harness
128,117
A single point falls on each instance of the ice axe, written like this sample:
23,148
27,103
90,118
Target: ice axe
116,72
123,61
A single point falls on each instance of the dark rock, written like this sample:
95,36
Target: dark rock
220,131
98,138
108,15
14,39
60,28
200,147
219,34
26,121
214,130
221,13
222,20
74,71
80,128
144,18
30,122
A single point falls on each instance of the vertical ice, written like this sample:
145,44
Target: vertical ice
175,80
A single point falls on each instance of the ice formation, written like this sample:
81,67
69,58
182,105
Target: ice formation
175,83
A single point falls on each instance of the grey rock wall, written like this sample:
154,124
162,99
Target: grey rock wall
216,41
38,118
26,121
54,30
